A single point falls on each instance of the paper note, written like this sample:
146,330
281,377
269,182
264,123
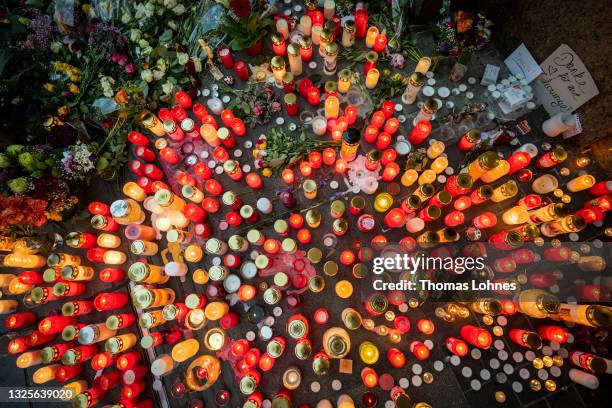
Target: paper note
521,61
566,84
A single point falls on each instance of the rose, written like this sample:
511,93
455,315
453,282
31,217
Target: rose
19,185
4,161
182,58
147,75
179,9
27,160
123,60
135,35
130,69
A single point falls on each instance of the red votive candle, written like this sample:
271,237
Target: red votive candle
420,132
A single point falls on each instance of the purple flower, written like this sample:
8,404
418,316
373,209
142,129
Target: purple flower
257,110
130,69
276,107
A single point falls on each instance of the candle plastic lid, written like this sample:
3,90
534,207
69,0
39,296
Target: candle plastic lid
231,283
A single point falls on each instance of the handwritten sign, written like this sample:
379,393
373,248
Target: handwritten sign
566,84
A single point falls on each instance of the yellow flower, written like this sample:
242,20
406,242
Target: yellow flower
58,65
255,153
86,8
54,216
63,110
386,72
263,145
74,88
266,172
397,76
49,86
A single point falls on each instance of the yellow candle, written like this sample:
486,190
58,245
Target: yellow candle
185,349
409,177
344,80
435,149
192,193
44,374
295,60
214,339
216,310
21,260
372,78
439,165
344,289
371,36
427,177
112,257
368,352
316,33
209,134
193,253
498,172
6,278
29,359
505,191
134,191
152,123
310,189
108,241
18,288
75,388
383,202
332,107
516,215
581,183
423,65
8,306
278,69
200,276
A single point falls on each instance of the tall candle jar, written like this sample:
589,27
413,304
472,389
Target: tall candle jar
331,54
429,108
415,83
348,34
295,60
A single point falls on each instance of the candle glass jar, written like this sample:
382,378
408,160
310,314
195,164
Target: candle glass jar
415,83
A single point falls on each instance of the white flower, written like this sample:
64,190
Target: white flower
168,87
126,17
172,25
147,75
162,65
182,57
157,75
149,9
147,50
197,64
169,3
179,9
56,46
142,43
135,35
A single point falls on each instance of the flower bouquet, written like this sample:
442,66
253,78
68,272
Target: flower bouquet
256,104
278,150
462,33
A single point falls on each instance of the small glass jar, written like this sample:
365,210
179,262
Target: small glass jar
415,83
348,34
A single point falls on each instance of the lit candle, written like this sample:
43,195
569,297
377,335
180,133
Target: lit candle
292,378
278,70
439,164
316,33
516,215
380,42
288,176
420,132
370,62
368,352
344,288
341,166
29,359
278,44
305,24
395,218
498,172
420,350
209,134
45,374
457,346
332,107
314,95
369,378
350,113
372,78
184,350
518,161
383,140
426,326
390,172
383,202
409,177
152,123
370,133
371,35
306,48
581,183
242,70
391,126
305,168
295,60
454,219
134,191
254,181
476,336
344,80
423,65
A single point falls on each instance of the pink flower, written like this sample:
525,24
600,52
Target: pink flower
115,58
130,69
257,110
122,60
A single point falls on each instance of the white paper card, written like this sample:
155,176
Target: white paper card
522,62
566,84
